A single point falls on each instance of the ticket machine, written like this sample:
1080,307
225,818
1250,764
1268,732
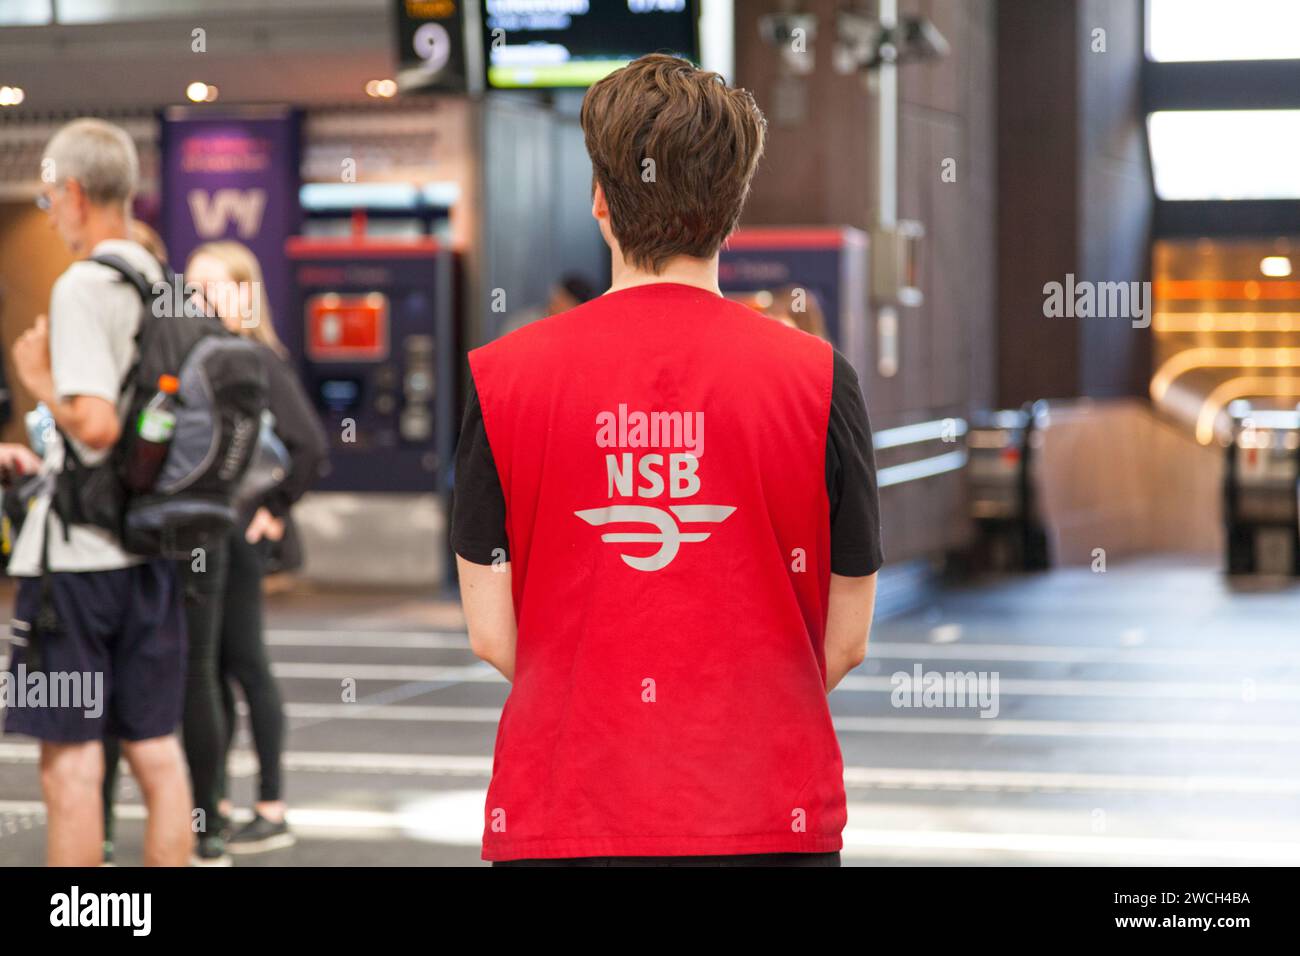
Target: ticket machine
830,263
379,351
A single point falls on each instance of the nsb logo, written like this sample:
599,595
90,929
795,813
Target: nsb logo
659,471
667,534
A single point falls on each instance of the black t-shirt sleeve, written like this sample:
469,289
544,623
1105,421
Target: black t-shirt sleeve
478,523
851,478
478,511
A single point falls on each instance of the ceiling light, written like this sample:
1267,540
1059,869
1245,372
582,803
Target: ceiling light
198,92
1275,267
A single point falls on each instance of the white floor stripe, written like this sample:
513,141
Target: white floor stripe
400,712
880,650
886,778
1169,690
865,843
864,778
1074,654
977,726
391,672
1203,732
877,650
422,640
454,818
1241,690
476,673
1136,730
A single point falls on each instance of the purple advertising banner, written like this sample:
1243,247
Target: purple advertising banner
234,176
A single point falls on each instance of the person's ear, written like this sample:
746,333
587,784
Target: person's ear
76,196
599,208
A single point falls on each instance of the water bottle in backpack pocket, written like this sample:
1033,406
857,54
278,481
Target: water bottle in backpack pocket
153,436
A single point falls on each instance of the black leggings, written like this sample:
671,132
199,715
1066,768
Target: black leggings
244,662
203,728
224,617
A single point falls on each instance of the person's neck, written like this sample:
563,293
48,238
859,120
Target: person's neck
102,225
683,270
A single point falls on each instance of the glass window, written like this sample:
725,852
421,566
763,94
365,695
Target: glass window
1226,154
25,13
1223,29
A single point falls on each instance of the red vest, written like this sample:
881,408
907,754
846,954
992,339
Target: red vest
662,455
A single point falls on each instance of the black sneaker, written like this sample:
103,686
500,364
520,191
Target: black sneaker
260,835
210,851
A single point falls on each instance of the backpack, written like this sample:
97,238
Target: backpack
219,405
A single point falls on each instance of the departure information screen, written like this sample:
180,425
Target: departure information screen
551,44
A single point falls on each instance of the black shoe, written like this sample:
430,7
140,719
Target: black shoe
210,851
260,835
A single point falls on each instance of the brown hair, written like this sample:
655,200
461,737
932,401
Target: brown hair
145,235
807,318
704,141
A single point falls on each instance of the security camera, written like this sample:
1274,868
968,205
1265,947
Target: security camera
793,35
782,29
921,40
857,40
861,43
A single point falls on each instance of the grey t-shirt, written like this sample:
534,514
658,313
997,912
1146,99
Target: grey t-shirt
93,320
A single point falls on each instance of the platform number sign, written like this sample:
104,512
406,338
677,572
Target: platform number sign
431,44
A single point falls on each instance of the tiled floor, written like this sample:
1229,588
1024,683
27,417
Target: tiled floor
1147,715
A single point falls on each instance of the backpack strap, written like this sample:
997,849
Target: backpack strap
119,265
144,288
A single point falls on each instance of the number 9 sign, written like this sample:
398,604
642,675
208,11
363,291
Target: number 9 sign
432,44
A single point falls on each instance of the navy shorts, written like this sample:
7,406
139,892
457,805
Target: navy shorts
114,667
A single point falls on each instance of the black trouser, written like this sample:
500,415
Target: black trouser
204,728
244,661
743,859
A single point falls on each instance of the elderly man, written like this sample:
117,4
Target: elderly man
84,605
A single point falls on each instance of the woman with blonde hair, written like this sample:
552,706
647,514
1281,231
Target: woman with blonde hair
226,279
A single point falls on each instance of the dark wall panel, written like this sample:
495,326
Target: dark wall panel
1037,195
821,169
1074,193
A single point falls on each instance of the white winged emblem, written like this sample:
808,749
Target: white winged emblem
667,534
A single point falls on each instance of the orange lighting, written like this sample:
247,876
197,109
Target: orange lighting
1185,361
1221,289
1225,321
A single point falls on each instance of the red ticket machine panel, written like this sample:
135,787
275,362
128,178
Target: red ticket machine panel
347,328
